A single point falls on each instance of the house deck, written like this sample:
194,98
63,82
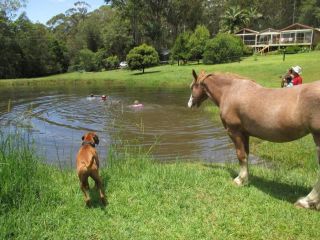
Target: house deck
294,35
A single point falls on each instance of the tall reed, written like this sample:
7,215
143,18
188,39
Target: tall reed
21,173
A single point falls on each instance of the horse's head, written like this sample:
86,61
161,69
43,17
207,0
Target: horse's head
198,93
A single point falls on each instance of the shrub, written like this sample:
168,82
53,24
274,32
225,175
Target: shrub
142,57
100,58
247,51
223,48
87,60
292,49
111,62
317,48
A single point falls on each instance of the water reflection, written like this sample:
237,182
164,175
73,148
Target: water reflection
57,119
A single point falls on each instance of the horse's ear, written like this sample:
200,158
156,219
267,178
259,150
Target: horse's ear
194,75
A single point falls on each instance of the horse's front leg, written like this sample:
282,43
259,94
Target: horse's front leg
241,142
312,200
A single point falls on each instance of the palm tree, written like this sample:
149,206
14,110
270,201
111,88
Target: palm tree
253,15
234,18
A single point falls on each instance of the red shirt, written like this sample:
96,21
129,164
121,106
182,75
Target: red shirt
297,80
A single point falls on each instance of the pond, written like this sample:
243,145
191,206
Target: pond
164,127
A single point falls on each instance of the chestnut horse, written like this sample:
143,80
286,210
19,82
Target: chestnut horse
248,109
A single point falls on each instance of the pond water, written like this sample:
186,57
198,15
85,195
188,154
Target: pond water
164,127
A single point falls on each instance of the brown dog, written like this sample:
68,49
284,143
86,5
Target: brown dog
88,166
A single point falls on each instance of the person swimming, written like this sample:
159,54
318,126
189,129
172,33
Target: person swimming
91,96
103,97
136,104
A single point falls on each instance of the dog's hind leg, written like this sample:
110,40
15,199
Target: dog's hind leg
84,185
99,186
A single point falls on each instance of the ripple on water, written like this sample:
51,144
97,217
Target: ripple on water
58,121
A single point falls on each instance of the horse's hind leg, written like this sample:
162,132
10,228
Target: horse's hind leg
241,142
312,200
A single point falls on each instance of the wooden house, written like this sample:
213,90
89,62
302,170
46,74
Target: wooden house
295,34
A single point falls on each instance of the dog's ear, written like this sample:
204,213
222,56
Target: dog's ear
96,139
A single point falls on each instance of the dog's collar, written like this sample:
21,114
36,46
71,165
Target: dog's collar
88,143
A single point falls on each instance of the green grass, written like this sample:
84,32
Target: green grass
149,200
263,69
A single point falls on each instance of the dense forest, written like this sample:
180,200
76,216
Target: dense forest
81,39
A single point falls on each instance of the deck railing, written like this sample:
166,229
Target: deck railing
286,38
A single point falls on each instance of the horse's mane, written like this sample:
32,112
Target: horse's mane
202,76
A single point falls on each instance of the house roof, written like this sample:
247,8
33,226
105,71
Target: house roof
246,31
296,26
269,31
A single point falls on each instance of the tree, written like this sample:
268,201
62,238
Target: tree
310,12
116,36
233,19
253,16
142,57
10,54
87,60
210,17
9,7
134,11
112,62
73,29
197,41
159,22
181,48
223,48
184,15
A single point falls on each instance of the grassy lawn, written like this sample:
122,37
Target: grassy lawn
263,69
149,200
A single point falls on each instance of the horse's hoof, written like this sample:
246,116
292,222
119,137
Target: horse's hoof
104,201
239,181
302,203
88,203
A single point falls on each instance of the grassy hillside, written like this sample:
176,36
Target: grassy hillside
263,69
148,200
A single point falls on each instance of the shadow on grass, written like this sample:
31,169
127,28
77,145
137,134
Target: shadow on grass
279,190
141,73
282,191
